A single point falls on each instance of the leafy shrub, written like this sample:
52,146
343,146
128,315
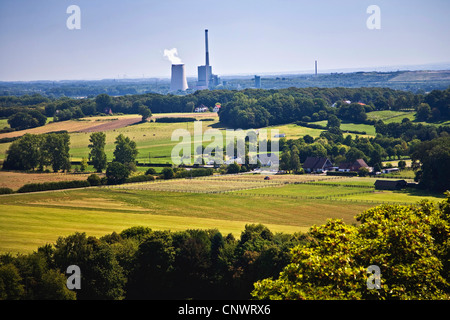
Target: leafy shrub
94,180
6,191
34,187
150,171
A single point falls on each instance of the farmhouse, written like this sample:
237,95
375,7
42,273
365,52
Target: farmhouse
353,166
201,108
390,184
317,164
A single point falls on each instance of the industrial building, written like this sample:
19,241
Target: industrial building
258,82
206,78
178,80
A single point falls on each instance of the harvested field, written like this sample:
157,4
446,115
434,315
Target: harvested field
282,178
14,180
88,124
195,185
111,125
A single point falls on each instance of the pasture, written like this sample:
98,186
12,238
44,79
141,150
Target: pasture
286,203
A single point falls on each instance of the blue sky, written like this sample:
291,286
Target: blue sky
120,38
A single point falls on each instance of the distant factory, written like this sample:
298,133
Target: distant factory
206,79
178,79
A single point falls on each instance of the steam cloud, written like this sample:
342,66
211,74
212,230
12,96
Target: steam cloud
172,56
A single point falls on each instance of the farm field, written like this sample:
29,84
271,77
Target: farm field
369,129
287,203
389,116
15,180
151,137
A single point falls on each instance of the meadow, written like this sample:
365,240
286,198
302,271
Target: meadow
286,203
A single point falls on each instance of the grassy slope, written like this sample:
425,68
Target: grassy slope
30,220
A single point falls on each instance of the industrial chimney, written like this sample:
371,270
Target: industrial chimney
206,46
178,81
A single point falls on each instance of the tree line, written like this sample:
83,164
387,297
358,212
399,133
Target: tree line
240,109
327,262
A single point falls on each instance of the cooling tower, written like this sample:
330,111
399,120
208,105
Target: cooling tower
179,81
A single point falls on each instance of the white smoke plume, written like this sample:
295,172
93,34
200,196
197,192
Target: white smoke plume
172,56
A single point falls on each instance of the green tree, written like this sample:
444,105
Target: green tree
125,151
423,112
117,173
97,154
333,122
433,155
285,161
11,287
55,150
52,286
83,165
94,180
408,243
233,168
363,172
28,119
150,279
145,112
103,102
167,173
295,159
24,154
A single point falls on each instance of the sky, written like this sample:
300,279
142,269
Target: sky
128,38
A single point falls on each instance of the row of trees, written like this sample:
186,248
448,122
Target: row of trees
408,243
32,152
140,263
244,109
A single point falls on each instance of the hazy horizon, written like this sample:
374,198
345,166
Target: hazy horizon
128,40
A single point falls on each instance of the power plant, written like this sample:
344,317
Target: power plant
178,80
206,78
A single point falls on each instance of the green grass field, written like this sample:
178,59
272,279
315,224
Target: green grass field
389,116
31,220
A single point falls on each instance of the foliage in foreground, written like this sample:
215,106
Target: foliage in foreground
410,244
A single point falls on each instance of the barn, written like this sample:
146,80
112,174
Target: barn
390,184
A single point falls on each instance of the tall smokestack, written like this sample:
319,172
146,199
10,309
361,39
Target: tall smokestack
178,81
316,67
206,46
